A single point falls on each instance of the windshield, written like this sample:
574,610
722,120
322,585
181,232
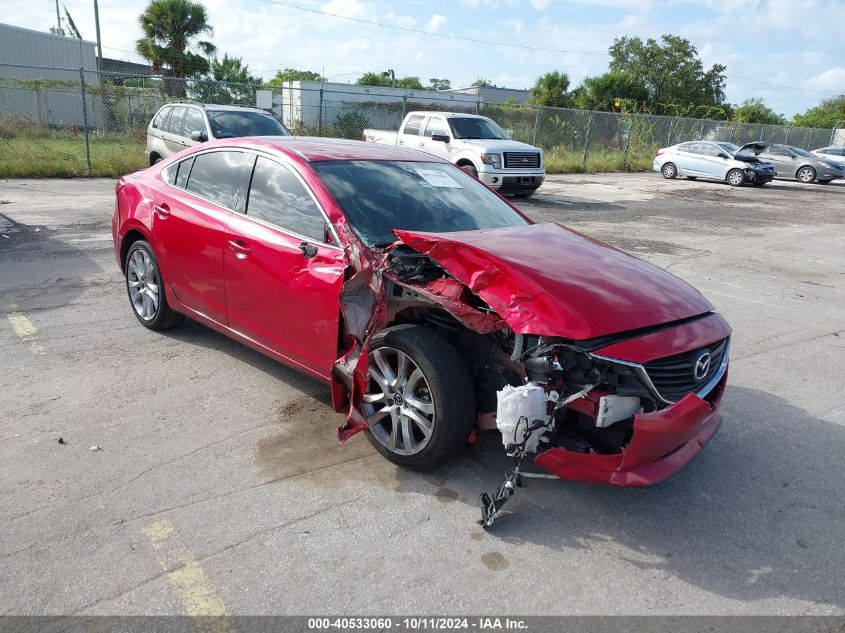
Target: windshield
380,196
733,149
232,123
799,151
476,128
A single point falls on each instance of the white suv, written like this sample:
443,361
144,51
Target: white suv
179,125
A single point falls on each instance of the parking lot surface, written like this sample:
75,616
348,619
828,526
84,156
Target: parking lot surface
219,485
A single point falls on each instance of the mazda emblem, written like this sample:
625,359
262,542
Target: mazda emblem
702,366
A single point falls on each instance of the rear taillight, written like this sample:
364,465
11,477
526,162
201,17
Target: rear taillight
659,152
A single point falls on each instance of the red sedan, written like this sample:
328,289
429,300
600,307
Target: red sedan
418,294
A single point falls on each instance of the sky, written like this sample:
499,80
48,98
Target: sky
787,52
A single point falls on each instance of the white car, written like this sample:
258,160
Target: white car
713,160
832,153
474,143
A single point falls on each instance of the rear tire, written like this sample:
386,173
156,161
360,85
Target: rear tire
669,171
419,384
806,175
692,177
145,287
824,182
735,177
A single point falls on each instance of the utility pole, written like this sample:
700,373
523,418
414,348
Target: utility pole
99,41
59,30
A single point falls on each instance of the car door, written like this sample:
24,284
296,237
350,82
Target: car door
189,225
711,162
172,131
283,280
436,126
194,122
686,157
409,135
781,158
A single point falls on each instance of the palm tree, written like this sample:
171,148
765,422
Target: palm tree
171,30
551,90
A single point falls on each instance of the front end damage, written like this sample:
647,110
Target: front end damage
628,408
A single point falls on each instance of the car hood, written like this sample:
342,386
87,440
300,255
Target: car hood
547,280
495,145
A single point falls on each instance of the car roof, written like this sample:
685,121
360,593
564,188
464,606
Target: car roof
215,106
447,115
315,149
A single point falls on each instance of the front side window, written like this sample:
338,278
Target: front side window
277,196
380,196
234,123
709,149
216,176
437,126
174,123
194,122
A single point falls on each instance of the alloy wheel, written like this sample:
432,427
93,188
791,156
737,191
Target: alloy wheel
806,174
144,284
735,178
398,403
669,171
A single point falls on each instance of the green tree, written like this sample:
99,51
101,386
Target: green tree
228,81
171,43
383,80
826,114
291,74
671,71
755,110
481,82
439,84
552,90
601,92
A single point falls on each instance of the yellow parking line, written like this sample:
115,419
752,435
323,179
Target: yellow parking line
188,579
22,326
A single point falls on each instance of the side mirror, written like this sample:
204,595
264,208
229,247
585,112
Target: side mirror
443,138
198,136
723,155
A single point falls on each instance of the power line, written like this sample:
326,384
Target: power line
432,33
767,83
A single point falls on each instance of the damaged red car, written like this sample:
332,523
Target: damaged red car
420,296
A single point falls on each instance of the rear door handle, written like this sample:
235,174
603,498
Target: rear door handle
240,249
162,210
422,145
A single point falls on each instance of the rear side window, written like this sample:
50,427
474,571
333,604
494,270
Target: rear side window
414,124
776,150
217,176
277,196
194,122
184,170
174,123
692,148
161,117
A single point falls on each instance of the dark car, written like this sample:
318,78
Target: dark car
796,163
418,295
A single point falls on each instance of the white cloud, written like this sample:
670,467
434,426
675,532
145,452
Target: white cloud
436,22
540,5
516,25
833,79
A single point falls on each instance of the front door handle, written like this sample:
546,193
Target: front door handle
240,249
421,145
162,210
307,250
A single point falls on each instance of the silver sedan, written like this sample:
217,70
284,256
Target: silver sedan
799,164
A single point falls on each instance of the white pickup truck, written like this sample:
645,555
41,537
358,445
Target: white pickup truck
474,143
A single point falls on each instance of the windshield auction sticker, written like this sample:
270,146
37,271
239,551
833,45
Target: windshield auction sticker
438,178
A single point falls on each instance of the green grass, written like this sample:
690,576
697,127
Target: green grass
64,156
562,161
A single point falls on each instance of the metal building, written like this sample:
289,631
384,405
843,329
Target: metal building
25,47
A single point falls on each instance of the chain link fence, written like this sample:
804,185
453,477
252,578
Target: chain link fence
69,122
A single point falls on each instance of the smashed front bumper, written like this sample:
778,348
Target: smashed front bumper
663,442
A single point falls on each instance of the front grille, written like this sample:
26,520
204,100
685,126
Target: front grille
522,160
674,377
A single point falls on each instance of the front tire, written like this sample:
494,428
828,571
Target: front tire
806,175
470,169
735,177
669,171
145,287
525,194
420,400
692,177
824,182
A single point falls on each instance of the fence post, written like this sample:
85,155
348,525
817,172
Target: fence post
786,138
701,134
478,106
536,125
627,141
587,142
669,136
404,105
833,132
85,119
320,116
